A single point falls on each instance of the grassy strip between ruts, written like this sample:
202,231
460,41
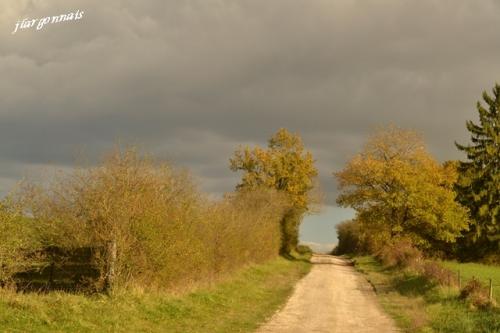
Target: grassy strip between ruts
239,304
420,306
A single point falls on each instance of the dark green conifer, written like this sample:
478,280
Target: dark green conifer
479,182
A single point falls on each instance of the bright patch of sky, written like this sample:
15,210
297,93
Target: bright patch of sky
320,228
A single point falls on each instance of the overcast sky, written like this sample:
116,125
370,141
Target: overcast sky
189,81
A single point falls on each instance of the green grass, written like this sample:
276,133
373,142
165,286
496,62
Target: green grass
481,272
420,306
237,305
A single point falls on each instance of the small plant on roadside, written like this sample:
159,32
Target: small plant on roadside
304,249
435,272
400,253
476,294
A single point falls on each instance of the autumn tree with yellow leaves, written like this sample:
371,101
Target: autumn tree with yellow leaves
399,190
286,166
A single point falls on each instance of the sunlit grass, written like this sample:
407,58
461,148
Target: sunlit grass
237,305
420,306
479,271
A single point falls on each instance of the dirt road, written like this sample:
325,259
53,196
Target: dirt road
333,297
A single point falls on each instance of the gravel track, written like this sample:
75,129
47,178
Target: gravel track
333,297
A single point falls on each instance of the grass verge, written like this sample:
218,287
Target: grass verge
237,305
478,271
418,305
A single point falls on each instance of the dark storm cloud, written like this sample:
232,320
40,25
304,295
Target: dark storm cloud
191,80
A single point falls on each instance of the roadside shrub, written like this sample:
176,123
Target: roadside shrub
17,239
146,211
243,228
158,228
351,238
400,253
356,236
476,294
491,259
304,249
435,272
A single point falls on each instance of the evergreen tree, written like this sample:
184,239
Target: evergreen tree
478,186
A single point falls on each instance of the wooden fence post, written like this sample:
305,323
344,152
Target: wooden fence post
459,281
110,266
491,290
51,274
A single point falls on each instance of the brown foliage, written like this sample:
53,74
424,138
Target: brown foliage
476,293
166,232
400,253
492,259
17,240
435,272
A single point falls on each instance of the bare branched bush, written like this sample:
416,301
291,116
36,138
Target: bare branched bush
17,240
245,228
476,294
163,231
435,272
400,253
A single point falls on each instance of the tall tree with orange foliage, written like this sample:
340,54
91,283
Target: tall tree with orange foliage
285,166
400,190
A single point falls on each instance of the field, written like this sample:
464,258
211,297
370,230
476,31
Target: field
418,305
479,271
236,305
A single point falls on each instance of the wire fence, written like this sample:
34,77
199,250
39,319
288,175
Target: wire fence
493,287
